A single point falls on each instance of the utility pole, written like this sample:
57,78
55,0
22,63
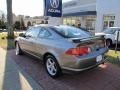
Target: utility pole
9,18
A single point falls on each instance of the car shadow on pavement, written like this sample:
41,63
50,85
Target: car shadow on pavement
11,74
14,77
104,77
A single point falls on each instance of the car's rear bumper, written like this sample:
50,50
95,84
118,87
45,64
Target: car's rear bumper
83,68
85,62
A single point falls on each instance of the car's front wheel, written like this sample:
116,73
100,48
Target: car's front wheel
52,66
17,50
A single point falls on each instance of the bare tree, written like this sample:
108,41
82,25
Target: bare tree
9,18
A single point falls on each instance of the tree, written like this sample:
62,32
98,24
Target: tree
17,25
2,22
28,23
3,17
22,24
9,18
3,25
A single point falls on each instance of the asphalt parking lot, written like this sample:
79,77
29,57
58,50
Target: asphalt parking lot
104,77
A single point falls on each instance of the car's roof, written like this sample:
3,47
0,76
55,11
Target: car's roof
42,25
118,28
49,25
115,27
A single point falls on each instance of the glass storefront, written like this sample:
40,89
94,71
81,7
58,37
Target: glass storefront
70,21
89,21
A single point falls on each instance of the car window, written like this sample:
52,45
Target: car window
44,33
70,32
110,30
32,32
28,32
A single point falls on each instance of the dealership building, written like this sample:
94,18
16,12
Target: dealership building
94,15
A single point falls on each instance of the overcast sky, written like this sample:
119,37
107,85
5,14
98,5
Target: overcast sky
26,7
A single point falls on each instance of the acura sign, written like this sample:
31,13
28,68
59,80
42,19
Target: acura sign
53,8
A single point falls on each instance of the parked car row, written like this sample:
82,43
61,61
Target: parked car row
62,48
3,30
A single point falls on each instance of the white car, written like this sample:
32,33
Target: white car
110,35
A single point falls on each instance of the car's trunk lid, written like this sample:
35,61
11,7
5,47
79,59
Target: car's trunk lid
94,43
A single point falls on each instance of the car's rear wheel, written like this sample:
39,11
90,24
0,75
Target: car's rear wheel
18,51
108,42
52,66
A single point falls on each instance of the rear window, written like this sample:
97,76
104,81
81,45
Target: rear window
71,32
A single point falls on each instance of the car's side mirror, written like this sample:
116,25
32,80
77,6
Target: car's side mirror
22,35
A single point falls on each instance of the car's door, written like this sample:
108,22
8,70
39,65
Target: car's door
24,41
42,41
28,42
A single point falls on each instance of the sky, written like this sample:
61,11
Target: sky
26,7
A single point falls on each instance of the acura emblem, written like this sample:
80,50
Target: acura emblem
54,3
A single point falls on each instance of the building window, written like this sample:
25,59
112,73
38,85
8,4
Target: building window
68,21
73,21
46,22
105,24
78,22
64,21
111,24
109,21
90,22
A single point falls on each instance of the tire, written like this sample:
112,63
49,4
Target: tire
108,42
52,67
18,51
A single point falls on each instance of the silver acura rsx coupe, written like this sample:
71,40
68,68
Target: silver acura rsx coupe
62,48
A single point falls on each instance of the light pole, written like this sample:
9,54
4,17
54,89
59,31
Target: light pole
117,39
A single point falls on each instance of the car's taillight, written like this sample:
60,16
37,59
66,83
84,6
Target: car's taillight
78,51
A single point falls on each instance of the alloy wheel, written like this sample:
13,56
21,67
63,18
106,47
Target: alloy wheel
51,66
